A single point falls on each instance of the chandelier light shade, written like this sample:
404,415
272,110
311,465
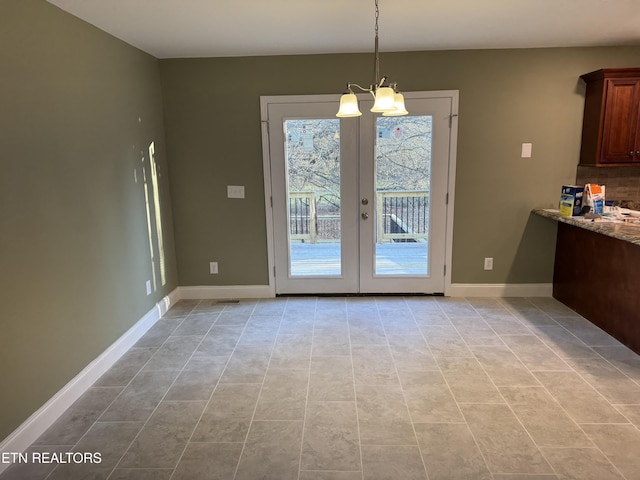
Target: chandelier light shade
349,106
399,108
387,99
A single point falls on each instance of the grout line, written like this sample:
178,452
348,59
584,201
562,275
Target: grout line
540,449
473,436
255,407
306,402
169,389
145,422
355,390
118,396
165,394
404,396
513,310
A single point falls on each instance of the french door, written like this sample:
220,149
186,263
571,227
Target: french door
359,205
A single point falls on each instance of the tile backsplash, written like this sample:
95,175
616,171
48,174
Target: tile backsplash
622,183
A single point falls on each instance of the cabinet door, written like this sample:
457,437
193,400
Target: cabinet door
620,121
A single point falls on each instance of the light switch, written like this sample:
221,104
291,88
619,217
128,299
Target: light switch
235,191
526,150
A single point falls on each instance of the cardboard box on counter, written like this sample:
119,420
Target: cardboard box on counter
594,197
571,200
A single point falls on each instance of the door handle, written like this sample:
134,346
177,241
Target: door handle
365,215
365,201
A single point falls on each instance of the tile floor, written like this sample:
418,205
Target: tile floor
359,388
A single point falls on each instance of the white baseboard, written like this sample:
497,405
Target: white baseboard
45,416
456,290
501,290
227,291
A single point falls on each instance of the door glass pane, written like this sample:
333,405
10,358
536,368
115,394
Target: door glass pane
313,195
403,163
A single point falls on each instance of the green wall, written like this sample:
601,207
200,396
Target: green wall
507,97
79,108
74,248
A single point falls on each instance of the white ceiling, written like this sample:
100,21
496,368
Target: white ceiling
215,28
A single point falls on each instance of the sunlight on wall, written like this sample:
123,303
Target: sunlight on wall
149,229
157,211
154,218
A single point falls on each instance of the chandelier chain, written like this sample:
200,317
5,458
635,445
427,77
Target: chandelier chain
376,67
387,99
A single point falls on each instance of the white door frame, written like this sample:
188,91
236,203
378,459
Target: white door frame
265,101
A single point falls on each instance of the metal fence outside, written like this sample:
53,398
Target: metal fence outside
402,216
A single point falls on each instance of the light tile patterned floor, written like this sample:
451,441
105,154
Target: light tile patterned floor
359,388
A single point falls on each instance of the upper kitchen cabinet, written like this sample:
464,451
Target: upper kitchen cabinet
610,129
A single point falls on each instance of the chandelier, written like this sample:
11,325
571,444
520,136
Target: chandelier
387,99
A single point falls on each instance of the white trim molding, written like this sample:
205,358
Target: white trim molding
225,292
501,290
45,416
283,107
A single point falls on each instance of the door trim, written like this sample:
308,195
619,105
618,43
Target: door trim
265,101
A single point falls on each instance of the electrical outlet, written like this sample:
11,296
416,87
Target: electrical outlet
147,284
213,268
488,263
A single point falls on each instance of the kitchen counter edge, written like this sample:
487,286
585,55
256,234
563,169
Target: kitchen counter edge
627,233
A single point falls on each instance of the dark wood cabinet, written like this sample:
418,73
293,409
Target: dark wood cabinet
598,277
611,127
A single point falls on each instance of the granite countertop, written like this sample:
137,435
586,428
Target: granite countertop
621,231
